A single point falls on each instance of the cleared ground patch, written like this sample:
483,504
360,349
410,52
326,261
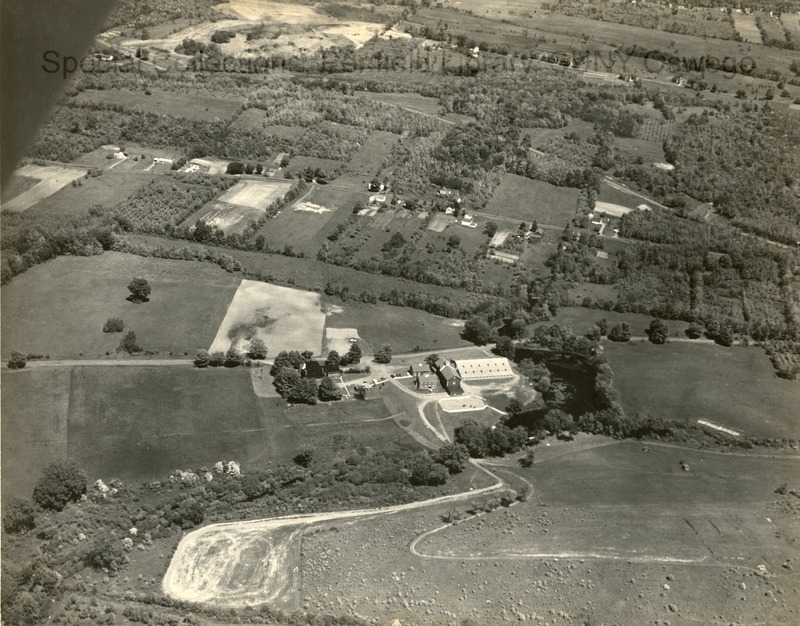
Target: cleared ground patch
521,198
255,194
59,308
191,106
50,179
733,387
285,319
746,27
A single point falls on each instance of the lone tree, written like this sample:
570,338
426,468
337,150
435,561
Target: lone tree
61,482
333,361
258,349
305,455
113,325
658,331
353,355
453,456
203,359
140,290
16,361
384,355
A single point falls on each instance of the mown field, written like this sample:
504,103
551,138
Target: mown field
191,106
734,387
402,328
106,191
525,199
580,320
59,308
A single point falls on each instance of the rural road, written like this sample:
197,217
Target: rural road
109,363
254,562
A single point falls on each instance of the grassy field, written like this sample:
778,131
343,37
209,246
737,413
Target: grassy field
108,190
580,319
59,308
192,106
734,387
17,185
35,406
603,519
139,423
369,157
303,226
616,196
49,179
401,328
525,199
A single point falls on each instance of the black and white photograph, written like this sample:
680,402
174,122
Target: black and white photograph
400,312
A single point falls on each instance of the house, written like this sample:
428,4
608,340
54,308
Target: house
481,369
423,376
162,160
450,379
449,211
312,369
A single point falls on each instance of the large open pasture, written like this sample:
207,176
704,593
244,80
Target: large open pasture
734,387
49,179
59,308
602,518
108,190
302,225
285,319
521,198
372,154
191,106
403,329
580,319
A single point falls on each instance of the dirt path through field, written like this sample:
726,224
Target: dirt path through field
255,562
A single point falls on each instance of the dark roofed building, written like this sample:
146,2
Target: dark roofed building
451,381
312,369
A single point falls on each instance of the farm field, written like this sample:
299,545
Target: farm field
108,190
746,27
191,106
369,157
572,550
426,105
734,387
613,196
49,179
59,308
402,328
35,407
303,224
521,198
133,423
285,319
580,319
243,203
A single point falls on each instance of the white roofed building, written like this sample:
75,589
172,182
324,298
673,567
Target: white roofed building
478,369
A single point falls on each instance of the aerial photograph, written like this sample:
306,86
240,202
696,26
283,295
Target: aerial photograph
400,312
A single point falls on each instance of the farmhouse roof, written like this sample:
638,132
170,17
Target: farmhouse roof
420,368
474,369
313,369
448,372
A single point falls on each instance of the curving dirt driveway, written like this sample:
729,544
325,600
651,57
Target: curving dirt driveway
249,563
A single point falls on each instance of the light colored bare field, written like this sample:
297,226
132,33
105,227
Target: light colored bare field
461,404
229,218
310,207
746,26
51,178
791,22
609,208
285,319
257,10
339,338
255,194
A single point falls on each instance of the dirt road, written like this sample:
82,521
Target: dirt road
249,563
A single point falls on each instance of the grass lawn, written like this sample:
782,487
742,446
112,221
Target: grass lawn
521,198
192,106
616,196
320,417
401,328
108,190
580,320
734,387
35,404
59,308
369,157
140,423
299,228
300,163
